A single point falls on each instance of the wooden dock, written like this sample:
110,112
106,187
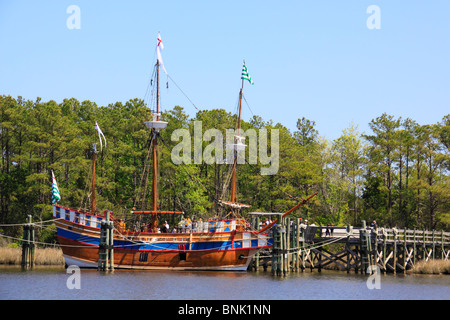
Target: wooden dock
297,247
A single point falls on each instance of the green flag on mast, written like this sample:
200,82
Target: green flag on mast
245,75
56,196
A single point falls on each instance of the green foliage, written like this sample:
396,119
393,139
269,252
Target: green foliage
398,175
15,245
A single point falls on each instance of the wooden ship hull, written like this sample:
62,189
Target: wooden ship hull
222,245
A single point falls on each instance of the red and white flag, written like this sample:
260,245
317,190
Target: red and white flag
159,47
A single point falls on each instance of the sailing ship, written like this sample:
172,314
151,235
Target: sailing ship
218,244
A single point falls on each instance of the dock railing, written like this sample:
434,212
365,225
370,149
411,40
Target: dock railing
297,247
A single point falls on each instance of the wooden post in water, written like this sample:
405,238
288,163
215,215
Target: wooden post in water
107,231
111,243
103,252
252,264
279,249
319,259
347,248
395,250
283,247
257,254
303,249
33,246
434,246
297,246
364,247
288,246
405,260
25,240
375,252
106,246
28,248
357,263
424,246
384,250
275,251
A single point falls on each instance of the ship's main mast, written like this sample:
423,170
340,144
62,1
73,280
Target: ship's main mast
155,125
155,144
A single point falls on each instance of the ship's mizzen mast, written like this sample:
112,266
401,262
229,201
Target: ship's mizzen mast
237,146
236,141
94,154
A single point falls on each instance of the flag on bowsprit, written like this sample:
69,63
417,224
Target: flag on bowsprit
100,136
56,196
159,47
245,75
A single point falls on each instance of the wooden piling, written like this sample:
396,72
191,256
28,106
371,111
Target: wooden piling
297,245
254,264
395,251
424,247
283,246
275,251
106,246
434,246
365,246
375,253
288,245
28,244
384,251
319,258
279,250
405,250
257,254
25,240
111,243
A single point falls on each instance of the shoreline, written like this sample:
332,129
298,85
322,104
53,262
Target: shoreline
53,257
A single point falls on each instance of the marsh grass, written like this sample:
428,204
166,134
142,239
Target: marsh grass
44,257
10,255
432,267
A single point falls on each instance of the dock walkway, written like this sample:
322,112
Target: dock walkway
298,247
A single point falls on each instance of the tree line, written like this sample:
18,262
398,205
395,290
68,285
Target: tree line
397,175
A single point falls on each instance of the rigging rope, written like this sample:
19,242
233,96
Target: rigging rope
248,105
143,189
183,92
321,244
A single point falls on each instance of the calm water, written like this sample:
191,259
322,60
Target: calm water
50,283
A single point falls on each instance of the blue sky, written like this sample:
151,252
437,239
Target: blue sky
313,59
